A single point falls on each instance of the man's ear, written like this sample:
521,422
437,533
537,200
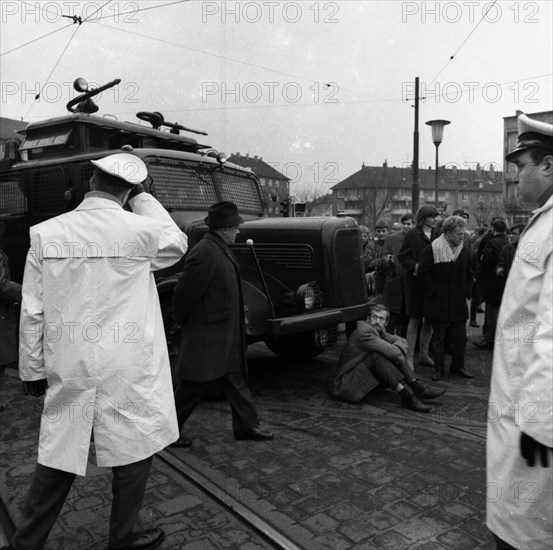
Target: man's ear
547,164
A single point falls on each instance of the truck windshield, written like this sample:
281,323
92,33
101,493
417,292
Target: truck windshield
185,185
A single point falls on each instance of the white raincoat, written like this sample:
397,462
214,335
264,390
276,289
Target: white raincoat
91,324
520,498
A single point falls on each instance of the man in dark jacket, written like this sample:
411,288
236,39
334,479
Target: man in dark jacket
416,240
372,356
208,303
490,285
10,292
446,274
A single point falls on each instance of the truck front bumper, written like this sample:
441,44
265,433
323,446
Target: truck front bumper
318,319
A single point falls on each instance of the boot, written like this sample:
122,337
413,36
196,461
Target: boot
425,392
410,401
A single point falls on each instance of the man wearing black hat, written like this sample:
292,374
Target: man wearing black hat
208,303
520,411
92,341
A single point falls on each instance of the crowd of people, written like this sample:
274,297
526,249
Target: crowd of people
426,295
421,279
436,268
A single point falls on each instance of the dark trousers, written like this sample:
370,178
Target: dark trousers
490,322
384,370
244,415
457,338
49,489
398,324
476,299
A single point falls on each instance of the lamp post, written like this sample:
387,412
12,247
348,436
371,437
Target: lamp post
437,133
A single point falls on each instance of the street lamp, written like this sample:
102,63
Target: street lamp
437,133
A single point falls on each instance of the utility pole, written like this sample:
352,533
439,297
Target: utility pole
415,186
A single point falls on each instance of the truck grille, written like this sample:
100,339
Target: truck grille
47,191
348,273
290,256
13,202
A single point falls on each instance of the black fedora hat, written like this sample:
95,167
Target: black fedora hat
223,214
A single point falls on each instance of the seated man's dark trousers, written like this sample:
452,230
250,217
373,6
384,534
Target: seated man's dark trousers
49,489
188,395
384,370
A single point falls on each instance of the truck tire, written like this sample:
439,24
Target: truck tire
303,345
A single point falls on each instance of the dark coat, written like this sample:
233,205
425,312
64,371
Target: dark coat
208,304
447,286
393,294
354,380
490,286
507,257
10,292
414,243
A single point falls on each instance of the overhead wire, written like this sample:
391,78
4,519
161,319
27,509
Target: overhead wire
53,32
52,71
95,12
298,104
233,60
36,39
464,41
61,56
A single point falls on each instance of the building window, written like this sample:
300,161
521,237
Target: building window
465,197
340,194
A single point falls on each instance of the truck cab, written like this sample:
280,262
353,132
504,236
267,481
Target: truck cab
301,276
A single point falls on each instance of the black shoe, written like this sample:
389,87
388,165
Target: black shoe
438,375
425,392
150,539
430,393
410,401
181,443
462,373
255,434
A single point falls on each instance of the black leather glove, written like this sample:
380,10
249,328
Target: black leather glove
36,388
529,448
137,188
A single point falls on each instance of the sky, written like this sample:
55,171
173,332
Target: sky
315,88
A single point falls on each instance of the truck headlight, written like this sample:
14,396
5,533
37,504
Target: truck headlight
309,296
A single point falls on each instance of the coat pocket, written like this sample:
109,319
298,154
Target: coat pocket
219,316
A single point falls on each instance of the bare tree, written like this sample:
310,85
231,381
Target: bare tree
486,206
376,203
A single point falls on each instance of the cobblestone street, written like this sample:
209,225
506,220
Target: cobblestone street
338,476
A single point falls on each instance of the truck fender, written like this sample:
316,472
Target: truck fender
256,310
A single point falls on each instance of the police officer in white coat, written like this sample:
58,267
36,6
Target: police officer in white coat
520,415
92,339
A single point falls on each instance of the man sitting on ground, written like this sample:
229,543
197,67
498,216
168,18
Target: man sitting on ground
371,357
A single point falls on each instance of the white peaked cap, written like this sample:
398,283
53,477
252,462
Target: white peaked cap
125,166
